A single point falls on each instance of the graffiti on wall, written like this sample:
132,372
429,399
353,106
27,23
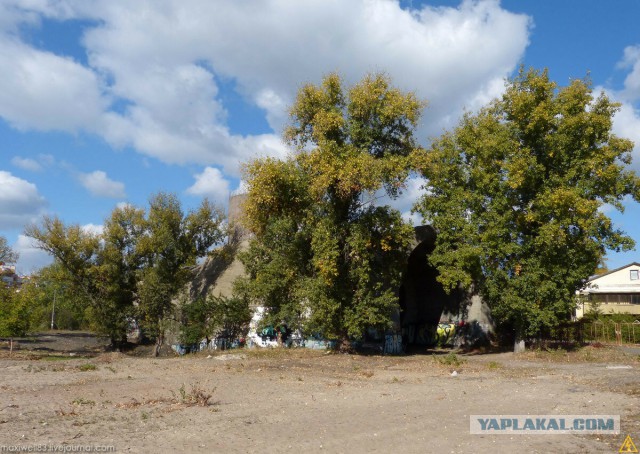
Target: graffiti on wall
445,334
393,344
219,343
442,334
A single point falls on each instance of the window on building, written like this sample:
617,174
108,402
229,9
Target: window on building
598,298
615,298
634,275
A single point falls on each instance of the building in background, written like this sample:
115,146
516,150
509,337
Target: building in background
9,277
615,292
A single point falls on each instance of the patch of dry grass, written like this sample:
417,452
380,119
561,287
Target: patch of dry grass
588,354
283,353
196,396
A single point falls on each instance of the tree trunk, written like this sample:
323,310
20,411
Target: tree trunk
344,345
115,344
118,341
159,342
519,345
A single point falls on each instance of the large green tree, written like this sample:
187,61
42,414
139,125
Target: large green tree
169,247
516,194
78,258
324,256
102,267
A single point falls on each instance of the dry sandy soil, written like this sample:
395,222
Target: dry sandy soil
305,401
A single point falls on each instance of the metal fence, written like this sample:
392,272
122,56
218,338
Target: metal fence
582,332
613,332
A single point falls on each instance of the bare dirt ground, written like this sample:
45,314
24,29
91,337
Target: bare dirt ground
305,401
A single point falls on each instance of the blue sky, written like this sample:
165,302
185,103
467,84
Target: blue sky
109,101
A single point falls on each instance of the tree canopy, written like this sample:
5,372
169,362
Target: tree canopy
516,193
169,248
7,254
14,319
324,257
213,315
137,265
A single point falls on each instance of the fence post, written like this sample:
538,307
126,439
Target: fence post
617,327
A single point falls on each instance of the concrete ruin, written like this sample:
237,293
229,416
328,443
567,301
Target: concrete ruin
424,304
217,274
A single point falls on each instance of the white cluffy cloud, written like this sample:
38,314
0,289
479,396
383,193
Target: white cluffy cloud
20,201
93,229
26,164
43,91
33,165
31,257
631,59
210,183
626,122
404,202
100,185
154,68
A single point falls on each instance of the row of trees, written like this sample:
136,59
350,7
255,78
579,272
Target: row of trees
515,193
52,298
137,266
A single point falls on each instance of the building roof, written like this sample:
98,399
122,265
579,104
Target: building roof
618,284
598,276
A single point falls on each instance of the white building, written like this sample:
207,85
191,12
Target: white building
615,292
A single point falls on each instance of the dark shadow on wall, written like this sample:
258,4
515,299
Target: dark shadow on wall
205,275
423,299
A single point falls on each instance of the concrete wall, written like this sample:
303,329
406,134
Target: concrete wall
216,274
424,302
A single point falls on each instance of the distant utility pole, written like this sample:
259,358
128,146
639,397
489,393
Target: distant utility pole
53,309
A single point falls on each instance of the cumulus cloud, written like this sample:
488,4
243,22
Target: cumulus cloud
626,122
451,56
26,164
161,63
20,201
404,202
631,59
210,183
31,257
34,165
43,91
93,229
100,185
